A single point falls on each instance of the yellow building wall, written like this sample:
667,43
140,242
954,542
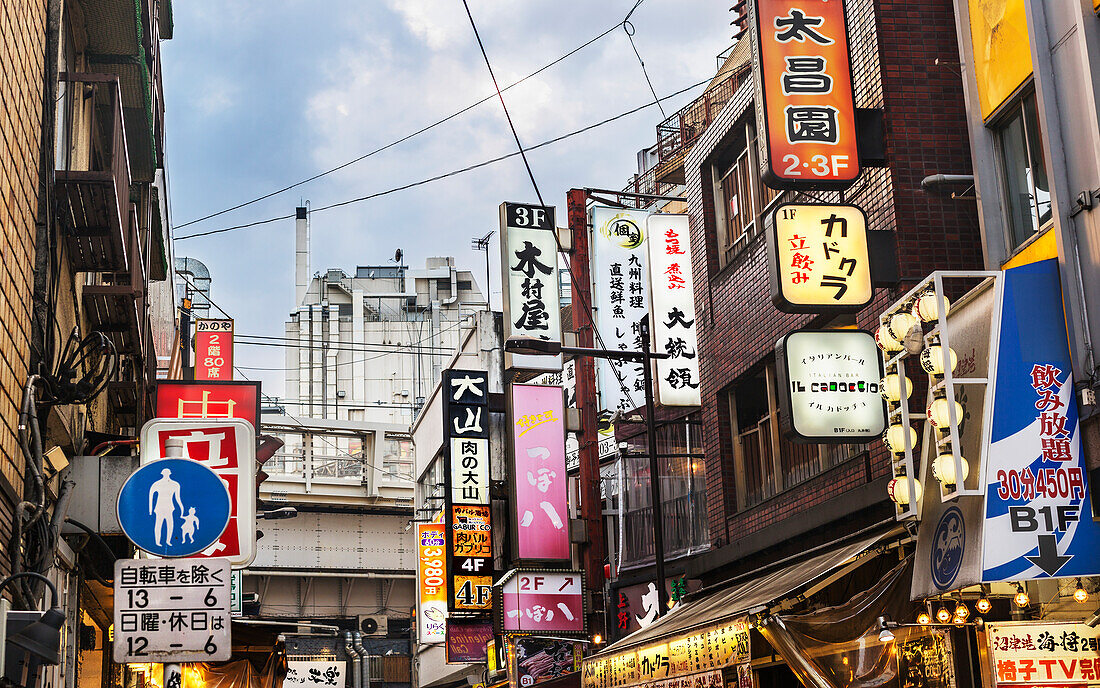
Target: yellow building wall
1002,52
22,56
1044,247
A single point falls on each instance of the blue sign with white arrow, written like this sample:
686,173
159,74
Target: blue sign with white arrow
173,507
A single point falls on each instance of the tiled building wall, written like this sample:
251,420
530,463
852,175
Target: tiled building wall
22,56
894,46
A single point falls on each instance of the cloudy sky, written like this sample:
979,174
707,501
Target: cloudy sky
263,93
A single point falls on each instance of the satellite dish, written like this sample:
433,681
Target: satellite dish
397,256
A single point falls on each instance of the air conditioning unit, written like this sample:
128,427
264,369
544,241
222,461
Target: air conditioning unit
371,624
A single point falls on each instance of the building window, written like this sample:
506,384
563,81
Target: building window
683,493
465,285
767,463
1026,188
739,196
397,459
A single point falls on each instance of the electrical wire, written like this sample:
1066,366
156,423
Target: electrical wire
630,30
354,347
500,95
468,168
538,194
418,131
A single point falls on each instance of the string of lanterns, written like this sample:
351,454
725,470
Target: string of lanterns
903,332
944,615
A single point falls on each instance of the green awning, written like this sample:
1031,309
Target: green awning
115,46
158,264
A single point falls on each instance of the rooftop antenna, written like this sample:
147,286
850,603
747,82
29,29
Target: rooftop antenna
482,244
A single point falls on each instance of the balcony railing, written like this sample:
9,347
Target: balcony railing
680,131
676,135
93,173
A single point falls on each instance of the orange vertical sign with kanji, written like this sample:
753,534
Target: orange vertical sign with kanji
804,94
213,350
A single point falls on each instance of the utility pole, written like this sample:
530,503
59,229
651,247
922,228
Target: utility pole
592,551
654,471
185,340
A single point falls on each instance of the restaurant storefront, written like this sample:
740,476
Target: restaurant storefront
825,619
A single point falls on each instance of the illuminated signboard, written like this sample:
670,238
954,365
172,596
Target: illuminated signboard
804,94
542,601
539,482
1035,653
620,272
829,383
674,321
697,656
529,261
213,349
468,640
431,579
819,258
466,474
186,399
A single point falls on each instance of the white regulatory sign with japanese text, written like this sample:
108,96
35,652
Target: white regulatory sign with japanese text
172,610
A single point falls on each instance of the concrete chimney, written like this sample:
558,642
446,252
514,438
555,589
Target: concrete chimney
301,255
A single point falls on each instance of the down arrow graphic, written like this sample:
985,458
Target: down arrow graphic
1048,559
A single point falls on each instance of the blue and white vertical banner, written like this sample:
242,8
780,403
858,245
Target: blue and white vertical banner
1038,517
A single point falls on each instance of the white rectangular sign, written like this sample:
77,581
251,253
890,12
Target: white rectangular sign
228,447
313,674
674,326
621,277
529,263
172,610
469,471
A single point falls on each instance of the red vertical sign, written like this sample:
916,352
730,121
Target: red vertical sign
804,94
213,350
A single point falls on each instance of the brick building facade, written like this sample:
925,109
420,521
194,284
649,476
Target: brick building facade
22,52
769,497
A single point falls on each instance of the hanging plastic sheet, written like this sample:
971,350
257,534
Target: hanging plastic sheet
239,674
841,646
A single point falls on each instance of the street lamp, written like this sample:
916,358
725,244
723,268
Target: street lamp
543,347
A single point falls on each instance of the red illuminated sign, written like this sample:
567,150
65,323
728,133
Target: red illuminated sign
186,399
804,94
214,350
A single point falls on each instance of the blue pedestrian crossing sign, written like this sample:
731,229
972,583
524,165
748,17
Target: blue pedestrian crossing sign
173,507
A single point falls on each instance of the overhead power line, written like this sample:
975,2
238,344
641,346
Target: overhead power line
531,174
418,132
468,168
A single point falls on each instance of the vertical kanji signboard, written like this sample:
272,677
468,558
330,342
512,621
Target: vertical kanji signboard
213,349
539,480
466,478
529,262
805,109
673,322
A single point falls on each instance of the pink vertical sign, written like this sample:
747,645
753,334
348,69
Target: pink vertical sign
539,480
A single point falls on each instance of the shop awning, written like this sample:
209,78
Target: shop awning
751,593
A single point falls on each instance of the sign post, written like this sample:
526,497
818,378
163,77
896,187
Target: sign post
227,447
172,610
